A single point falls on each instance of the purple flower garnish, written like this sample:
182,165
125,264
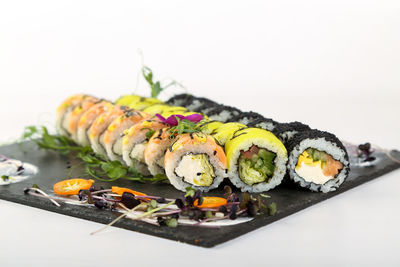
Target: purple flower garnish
173,121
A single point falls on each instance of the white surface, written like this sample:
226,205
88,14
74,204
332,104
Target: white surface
332,65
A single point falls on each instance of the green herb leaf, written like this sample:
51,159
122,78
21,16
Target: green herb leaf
156,90
150,133
95,166
114,169
148,75
184,126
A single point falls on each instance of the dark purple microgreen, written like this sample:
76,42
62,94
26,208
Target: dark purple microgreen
129,200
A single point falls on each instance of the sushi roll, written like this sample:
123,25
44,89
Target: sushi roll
116,130
264,123
135,141
156,108
179,100
208,127
286,131
225,132
64,112
173,110
222,113
256,160
195,160
77,113
317,161
100,125
87,120
126,100
196,102
144,103
247,117
206,108
155,150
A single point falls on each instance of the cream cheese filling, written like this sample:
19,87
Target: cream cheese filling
312,173
196,170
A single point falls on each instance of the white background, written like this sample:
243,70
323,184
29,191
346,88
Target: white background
332,64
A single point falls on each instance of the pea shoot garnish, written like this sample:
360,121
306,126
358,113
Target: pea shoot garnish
95,166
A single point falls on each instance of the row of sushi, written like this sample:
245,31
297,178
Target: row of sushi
254,152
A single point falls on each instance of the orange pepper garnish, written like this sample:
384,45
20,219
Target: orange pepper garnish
211,202
121,190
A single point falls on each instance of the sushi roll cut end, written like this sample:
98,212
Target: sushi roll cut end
317,161
256,160
195,160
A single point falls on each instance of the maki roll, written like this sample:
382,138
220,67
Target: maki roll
155,150
116,130
195,160
129,99
137,102
317,161
264,123
135,141
147,102
222,113
208,127
64,112
225,132
76,115
286,131
256,160
179,100
87,119
247,117
196,102
173,110
100,125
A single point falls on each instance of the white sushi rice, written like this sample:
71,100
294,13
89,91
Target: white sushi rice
224,115
279,172
330,148
266,126
195,105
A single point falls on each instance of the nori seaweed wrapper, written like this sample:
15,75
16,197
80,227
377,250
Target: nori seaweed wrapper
196,102
315,134
180,100
206,108
264,123
286,131
223,113
247,117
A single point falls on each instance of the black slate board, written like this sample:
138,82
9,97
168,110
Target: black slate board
289,199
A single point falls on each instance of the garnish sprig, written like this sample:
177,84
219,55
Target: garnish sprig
95,166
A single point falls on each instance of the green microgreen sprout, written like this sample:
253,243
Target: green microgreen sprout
155,86
272,209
